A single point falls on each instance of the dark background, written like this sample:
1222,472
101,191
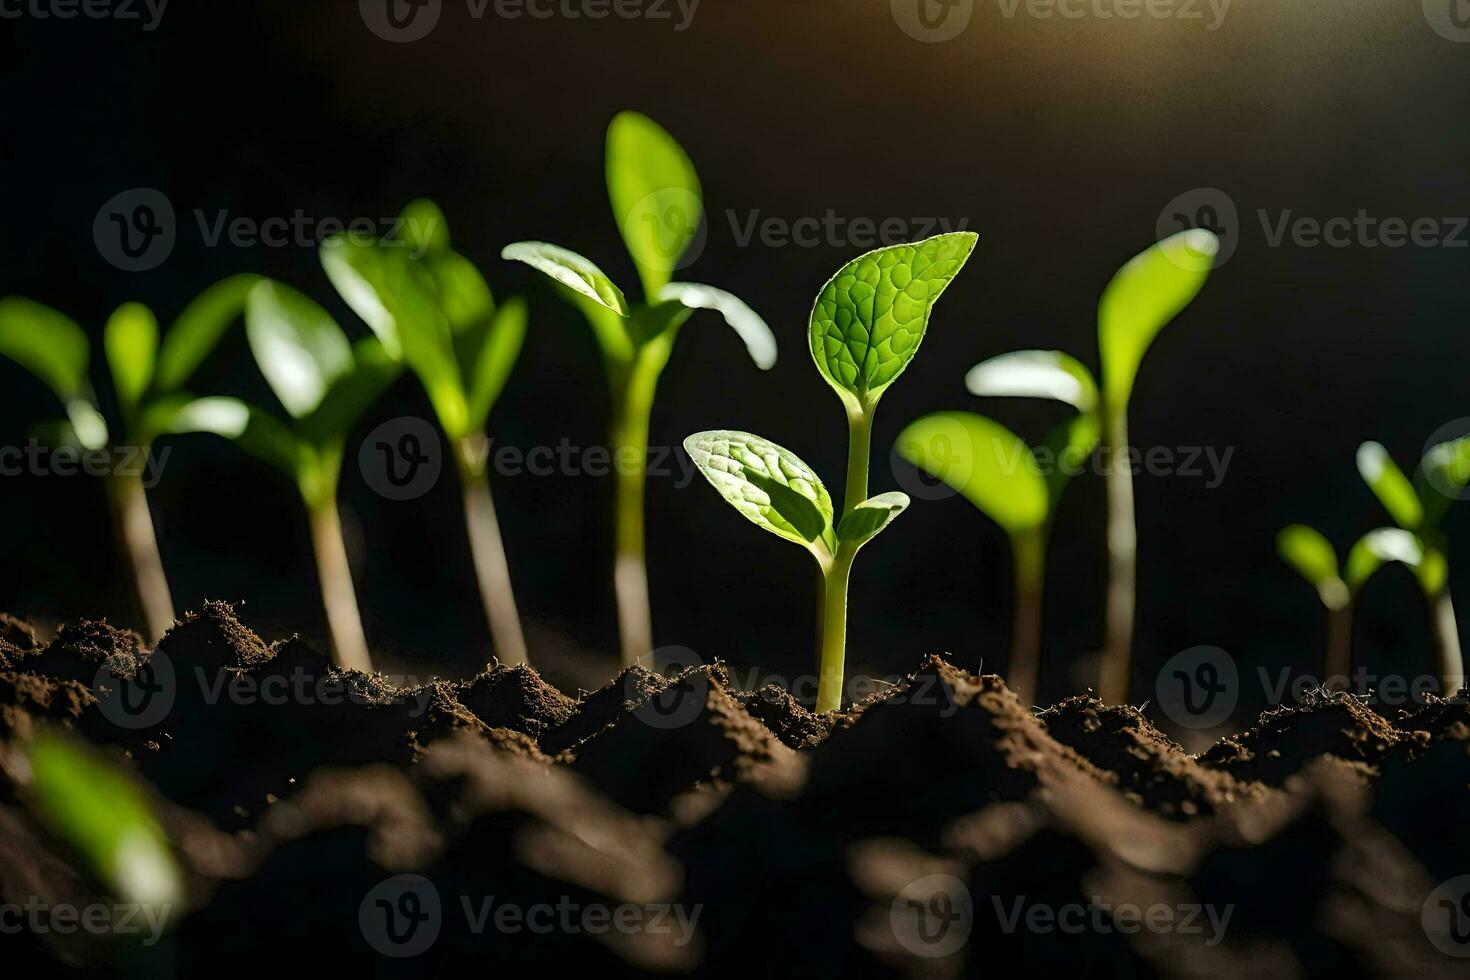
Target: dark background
1059,141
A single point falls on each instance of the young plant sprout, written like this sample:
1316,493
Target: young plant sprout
325,383
147,377
431,308
1014,486
866,326
658,204
1419,508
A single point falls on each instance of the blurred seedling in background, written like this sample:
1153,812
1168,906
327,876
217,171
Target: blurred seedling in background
325,383
866,326
148,374
102,815
1012,484
432,309
1419,508
658,204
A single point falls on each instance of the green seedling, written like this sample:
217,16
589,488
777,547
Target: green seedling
1012,484
1310,554
431,308
1143,297
325,383
866,326
658,204
148,374
1419,508
104,818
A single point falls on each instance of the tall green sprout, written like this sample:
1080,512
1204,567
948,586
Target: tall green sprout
1015,486
866,326
431,308
657,201
148,374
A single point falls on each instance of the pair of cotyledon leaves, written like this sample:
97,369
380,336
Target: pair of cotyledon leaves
995,469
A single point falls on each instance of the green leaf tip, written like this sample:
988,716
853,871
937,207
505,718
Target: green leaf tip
1313,558
574,271
655,195
747,323
870,317
867,519
1389,484
1035,374
988,464
767,483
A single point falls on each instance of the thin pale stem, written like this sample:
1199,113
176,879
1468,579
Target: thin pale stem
1339,643
835,575
1029,558
1447,642
134,526
633,409
344,621
1122,564
859,449
487,549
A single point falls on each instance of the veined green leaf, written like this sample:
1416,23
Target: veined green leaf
1307,551
574,271
870,317
743,468
1148,292
492,364
863,523
198,329
422,228
46,343
1035,374
655,195
298,346
130,341
759,340
987,463
1390,486
105,818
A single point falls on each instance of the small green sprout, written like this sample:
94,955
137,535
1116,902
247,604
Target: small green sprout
1419,508
148,375
657,201
105,819
325,383
431,307
866,326
1015,486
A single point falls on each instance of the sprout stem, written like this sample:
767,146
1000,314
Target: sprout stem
1340,642
835,575
632,411
1029,558
1122,562
1447,642
344,621
134,526
487,549
859,449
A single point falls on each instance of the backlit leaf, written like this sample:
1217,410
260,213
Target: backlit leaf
988,464
739,465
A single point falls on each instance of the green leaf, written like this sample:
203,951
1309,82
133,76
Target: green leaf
351,394
870,317
298,346
759,340
105,818
1148,292
492,364
1069,446
571,270
1035,374
861,524
1390,486
463,293
743,468
986,462
1378,547
655,195
198,329
46,343
1307,551
611,329
1441,478
130,341
423,229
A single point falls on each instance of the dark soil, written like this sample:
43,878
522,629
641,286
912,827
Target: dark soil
938,828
